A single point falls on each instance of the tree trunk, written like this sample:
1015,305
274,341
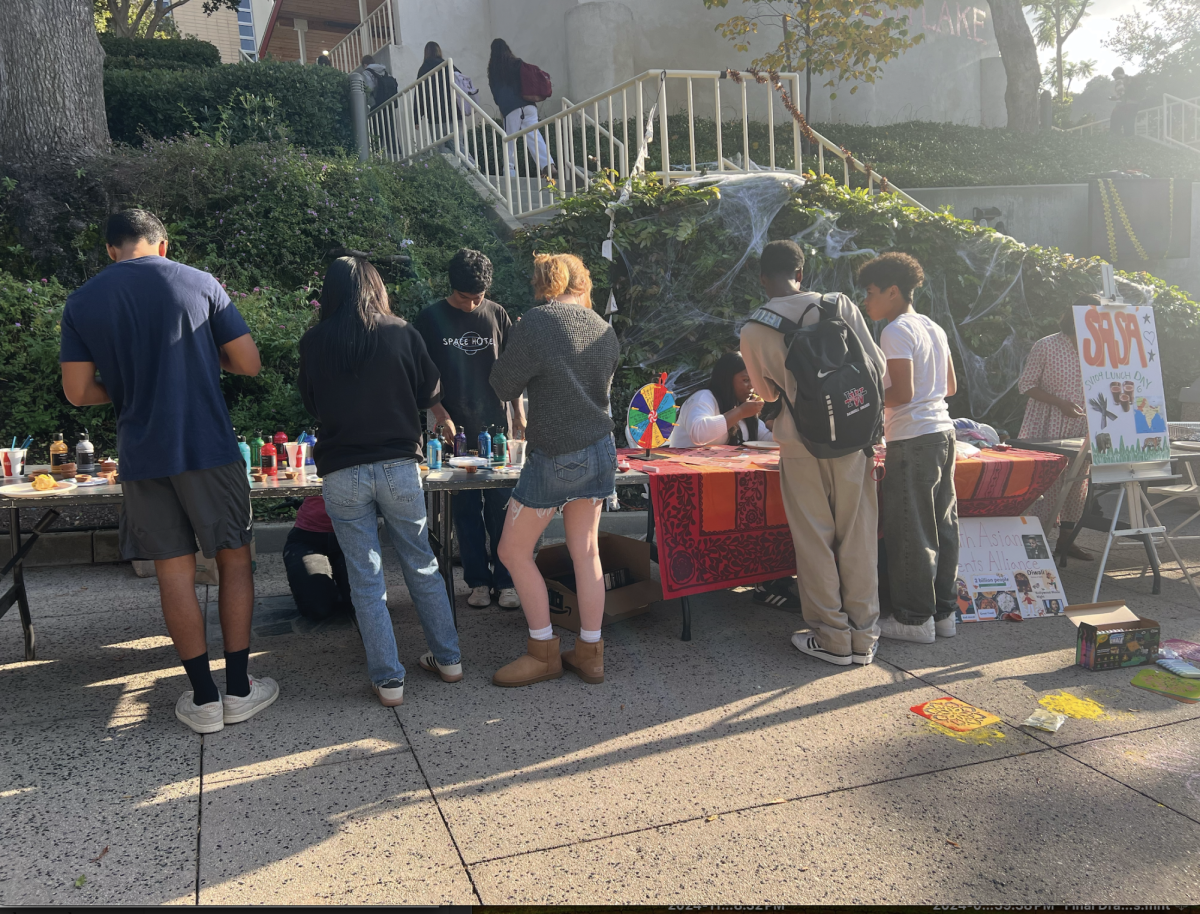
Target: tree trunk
51,83
1019,53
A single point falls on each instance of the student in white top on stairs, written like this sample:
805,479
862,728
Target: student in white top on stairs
919,505
519,108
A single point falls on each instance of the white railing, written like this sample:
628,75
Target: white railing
1176,122
377,31
604,132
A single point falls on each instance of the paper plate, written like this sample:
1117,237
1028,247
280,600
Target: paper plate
26,490
464,462
762,445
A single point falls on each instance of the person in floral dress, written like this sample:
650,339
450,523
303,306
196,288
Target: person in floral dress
1053,381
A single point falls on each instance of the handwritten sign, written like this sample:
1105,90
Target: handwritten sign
1005,570
1122,383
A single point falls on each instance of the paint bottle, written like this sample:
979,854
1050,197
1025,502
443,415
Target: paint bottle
244,450
256,444
280,439
460,444
485,443
499,448
310,439
267,459
59,452
85,454
433,451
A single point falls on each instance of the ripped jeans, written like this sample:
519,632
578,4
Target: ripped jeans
548,483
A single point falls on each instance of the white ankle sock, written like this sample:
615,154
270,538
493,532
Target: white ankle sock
589,637
542,634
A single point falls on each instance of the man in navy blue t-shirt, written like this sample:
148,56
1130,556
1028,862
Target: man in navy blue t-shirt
158,334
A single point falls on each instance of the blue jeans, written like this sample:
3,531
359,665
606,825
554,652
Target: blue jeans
393,488
478,516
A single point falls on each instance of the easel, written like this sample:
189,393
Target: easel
1130,477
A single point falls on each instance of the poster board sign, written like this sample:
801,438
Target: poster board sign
1004,568
1122,383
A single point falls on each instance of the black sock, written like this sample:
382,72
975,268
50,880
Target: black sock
202,682
237,683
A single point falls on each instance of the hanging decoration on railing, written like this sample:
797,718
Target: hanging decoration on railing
1110,200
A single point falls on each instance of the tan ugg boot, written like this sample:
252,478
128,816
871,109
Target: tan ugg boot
586,661
540,662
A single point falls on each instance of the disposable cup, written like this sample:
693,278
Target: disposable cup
296,455
13,460
516,452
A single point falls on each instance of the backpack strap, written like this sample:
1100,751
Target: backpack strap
769,318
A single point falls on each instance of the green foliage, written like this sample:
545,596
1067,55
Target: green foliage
313,103
157,53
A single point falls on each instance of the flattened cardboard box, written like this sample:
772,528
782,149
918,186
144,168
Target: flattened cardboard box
1112,636
616,552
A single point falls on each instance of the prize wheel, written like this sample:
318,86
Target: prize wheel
652,415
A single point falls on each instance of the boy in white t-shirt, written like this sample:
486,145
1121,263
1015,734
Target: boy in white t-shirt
918,502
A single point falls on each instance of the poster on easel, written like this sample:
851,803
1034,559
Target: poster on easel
1005,571
1122,383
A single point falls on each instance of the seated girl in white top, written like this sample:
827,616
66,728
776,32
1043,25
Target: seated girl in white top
724,412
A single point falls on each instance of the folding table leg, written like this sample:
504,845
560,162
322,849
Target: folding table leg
16,564
685,604
447,544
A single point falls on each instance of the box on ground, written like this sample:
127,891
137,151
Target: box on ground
1112,636
616,554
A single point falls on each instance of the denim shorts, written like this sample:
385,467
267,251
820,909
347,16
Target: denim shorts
551,482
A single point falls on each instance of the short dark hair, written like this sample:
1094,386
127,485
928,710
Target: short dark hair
470,272
892,269
133,225
781,259
367,59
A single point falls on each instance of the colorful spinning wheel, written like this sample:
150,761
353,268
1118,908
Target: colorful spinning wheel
652,414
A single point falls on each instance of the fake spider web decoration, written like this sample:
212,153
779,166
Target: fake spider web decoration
652,415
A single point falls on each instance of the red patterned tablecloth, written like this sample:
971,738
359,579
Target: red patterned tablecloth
719,519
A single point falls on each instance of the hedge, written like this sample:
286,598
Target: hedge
157,53
313,102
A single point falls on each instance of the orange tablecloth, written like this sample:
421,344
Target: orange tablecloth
719,516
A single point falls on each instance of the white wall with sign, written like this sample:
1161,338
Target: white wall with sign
1004,568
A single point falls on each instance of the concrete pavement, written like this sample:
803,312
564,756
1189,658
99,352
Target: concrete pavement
728,769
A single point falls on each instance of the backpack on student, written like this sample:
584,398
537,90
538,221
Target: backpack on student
839,390
535,83
463,81
385,87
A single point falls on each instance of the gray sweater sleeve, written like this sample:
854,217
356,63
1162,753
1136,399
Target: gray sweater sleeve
517,363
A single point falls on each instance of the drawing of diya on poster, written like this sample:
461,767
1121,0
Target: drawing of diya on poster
1122,383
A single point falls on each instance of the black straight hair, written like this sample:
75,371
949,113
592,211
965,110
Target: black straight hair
133,225
353,300
503,62
729,366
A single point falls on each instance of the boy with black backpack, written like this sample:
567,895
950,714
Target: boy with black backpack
816,353
920,508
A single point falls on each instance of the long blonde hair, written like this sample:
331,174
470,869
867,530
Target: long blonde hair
555,274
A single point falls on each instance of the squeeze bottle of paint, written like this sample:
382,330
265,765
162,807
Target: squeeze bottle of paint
256,444
433,451
499,448
460,444
485,443
280,439
311,440
58,451
244,450
85,453
267,459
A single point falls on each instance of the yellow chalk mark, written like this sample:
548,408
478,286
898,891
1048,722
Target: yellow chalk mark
983,736
1074,706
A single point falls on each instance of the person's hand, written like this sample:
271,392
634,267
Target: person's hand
518,427
1071,410
449,431
751,407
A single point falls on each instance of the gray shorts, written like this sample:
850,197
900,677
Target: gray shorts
166,517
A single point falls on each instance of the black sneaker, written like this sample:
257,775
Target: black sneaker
777,594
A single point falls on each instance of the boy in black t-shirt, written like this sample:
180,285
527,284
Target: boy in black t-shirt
464,334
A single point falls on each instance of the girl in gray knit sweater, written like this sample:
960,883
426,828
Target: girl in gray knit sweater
565,355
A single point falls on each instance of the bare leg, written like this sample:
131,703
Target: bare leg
582,521
522,528
181,609
235,598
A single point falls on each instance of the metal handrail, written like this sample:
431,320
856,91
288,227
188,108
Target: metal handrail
376,31
1158,123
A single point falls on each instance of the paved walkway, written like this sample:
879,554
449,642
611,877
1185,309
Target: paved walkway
729,769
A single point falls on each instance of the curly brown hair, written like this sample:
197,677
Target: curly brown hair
892,269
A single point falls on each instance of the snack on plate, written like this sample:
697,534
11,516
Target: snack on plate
257,477
111,477
108,466
43,483
64,470
82,477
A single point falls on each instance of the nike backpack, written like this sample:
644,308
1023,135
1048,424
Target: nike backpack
839,390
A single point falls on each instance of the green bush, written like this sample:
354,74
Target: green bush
313,102
157,53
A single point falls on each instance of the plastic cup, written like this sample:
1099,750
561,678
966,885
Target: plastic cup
13,461
516,452
296,455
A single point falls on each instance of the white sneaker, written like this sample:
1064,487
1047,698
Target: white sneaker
207,718
391,693
865,657
449,672
481,597
807,644
945,628
263,693
509,598
898,631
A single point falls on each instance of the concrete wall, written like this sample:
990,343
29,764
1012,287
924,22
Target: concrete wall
1056,215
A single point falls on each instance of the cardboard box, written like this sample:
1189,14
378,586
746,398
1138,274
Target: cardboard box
616,552
1112,636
